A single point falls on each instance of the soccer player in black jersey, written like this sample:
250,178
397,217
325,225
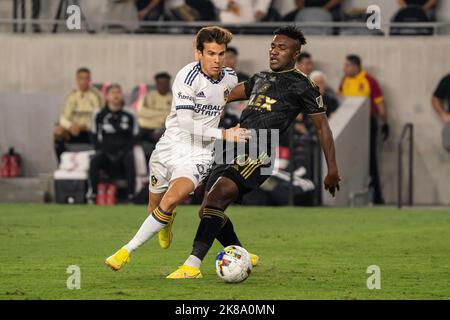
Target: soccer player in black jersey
275,100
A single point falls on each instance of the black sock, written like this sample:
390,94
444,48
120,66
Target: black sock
210,225
227,236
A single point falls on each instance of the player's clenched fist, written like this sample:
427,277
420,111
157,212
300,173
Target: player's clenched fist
236,134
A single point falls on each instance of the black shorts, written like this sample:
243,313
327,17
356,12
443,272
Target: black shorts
247,174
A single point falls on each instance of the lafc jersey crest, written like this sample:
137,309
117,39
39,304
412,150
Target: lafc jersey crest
264,87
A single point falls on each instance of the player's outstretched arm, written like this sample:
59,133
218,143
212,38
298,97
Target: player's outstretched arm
236,134
238,93
331,182
187,123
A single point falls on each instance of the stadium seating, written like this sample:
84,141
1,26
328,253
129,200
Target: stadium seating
411,14
360,16
315,15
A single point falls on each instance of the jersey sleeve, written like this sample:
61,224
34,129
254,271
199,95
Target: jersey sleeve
65,120
233,78
183,92
443,89
248,85
312,101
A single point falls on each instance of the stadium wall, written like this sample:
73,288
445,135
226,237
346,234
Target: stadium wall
350,126
408,70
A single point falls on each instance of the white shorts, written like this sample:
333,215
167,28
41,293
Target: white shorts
170,161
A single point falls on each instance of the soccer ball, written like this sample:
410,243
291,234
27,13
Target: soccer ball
233,264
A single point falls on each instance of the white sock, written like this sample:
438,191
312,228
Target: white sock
148,229
193,261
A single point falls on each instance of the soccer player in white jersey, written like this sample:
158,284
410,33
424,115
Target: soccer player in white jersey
184,153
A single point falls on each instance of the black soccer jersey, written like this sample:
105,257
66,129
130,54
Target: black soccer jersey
276,98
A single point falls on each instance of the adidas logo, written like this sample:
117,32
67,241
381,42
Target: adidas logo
201,94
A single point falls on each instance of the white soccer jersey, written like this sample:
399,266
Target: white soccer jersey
179,153
194,90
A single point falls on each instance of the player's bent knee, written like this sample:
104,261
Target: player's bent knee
222,195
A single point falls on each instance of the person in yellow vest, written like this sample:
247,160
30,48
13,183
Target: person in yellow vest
154,108
76,117
359,83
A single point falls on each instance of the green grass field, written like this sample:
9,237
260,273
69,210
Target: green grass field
306,253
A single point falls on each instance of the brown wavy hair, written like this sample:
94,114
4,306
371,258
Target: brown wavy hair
212,34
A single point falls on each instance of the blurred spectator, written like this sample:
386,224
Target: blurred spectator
75,120
328,95
121,11
179,10
149,10
233,110
153,110
272,13
290,16
242,11
333,6
205,8
231,61
304,63
114,131
302,125
429,6
440,96
359,83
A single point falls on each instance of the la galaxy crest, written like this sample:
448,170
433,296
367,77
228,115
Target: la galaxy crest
226,93
153,180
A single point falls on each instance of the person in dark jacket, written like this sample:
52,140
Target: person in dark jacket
114,132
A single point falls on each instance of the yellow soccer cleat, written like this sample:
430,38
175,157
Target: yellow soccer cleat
255,259
165,235
118,259
185,272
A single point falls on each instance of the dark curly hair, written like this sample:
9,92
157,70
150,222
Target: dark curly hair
292,32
